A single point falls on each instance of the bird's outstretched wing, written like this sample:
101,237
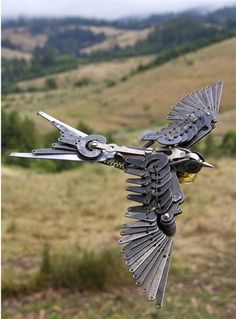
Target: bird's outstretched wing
193,118
75,145
148,242
71,144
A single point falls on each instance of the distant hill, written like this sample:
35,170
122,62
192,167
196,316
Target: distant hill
79,36
39,47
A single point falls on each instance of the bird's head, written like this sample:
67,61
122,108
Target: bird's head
188,167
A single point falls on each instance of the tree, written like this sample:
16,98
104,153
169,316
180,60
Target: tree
210,146
50,84
228,145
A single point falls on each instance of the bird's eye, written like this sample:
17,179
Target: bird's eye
192,166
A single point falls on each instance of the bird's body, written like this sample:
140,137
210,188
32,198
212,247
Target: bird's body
154,181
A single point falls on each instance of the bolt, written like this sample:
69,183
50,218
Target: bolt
111,147
93,144
166,216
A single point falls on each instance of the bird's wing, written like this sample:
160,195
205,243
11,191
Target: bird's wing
148,242
75,145
192,118
71,144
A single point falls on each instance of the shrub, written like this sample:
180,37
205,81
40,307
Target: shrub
225,147
110,83
86,270
124,78
228,145
211,148
89,270
50,84
45,267
17,135
83,127
32,89
82,82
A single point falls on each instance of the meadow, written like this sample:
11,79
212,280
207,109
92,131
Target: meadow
59,226
81,210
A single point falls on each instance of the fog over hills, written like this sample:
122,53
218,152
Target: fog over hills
104,9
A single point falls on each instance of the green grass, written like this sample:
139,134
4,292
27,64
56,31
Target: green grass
87,270
199,293
83,270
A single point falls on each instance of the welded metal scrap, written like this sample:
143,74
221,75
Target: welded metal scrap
156,174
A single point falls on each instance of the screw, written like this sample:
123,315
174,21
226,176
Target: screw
93,144
166,216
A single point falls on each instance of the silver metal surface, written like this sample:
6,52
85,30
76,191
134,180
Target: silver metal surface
60,125
64,157
111,148
163,281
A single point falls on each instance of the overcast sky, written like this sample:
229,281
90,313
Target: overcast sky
108,9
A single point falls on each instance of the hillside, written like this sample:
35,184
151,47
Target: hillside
141,100
95,73
20,38
123,37
10,54
57,45
23,40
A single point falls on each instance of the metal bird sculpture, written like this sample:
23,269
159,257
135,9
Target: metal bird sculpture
155,184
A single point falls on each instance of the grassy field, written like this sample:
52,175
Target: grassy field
96,73
122,38
14,54
142,100
51,222
83,208
23,39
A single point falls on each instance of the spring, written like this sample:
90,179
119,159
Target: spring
115,163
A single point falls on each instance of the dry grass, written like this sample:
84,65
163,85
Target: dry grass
10,54
122,38
22,38
68,216
143,98
83,208
96,73
108,31
226,121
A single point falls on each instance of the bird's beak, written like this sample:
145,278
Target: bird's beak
205,164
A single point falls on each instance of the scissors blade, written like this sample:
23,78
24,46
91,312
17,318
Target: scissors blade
68,157
60,125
